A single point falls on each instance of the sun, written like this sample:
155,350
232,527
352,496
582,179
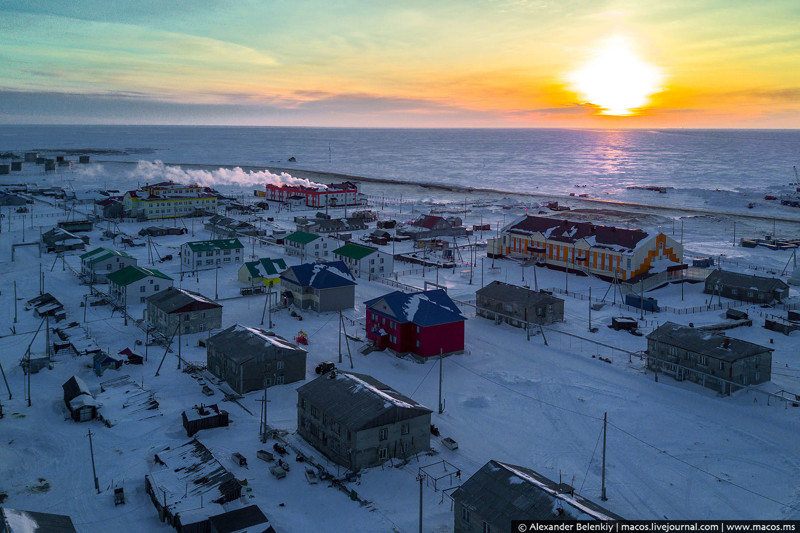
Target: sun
616,79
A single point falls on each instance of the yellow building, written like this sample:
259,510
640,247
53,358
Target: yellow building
604,251
168,200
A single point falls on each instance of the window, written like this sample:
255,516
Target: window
383,453
142,288
722,365
281,365
486,528
279,380
465,514
417,343
703,360
141,300
155,288
383,434
314,412
417,329
302,403
404,429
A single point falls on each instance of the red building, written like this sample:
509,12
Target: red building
423,324
345,193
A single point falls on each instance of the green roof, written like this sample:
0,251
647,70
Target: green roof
301,237
265,267
129,274
354,251
219,244
101,254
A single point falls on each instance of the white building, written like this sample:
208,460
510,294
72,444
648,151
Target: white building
201,255
309,246
95,265
134,284
365,261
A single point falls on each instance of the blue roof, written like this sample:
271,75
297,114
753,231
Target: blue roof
424,308
321,275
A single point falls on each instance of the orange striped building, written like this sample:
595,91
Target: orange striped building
604,251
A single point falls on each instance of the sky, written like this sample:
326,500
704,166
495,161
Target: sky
448,63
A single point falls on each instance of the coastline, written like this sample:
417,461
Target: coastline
320,175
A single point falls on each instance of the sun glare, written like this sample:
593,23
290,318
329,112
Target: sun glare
616,79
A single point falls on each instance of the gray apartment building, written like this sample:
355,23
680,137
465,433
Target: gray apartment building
517,305
359,422
248,358
173,307
712,359
746,287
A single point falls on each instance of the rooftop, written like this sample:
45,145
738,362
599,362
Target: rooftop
713,345
425,308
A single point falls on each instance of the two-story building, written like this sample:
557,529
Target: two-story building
322,287
359,422
365,261
309,246
95,265
607,252
202,255
250,358
265,271
422,324
712,359
134,284
314,194
174,309
518,306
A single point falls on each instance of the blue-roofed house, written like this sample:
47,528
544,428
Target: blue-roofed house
319,286
423,324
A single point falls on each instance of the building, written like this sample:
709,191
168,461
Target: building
332,225
319,286
60,240
203,417
14,521
431,226
250,358
265,271
518,305
715,360
79,400
365,261
315,195
168,200
308,246
134,284
200,255
188,486
156,231
499,493
95,265
423,324
746,287
359,422
175,308
222,226
604,251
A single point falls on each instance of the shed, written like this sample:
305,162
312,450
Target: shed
14,521
80,402
203,417
103,361
248,519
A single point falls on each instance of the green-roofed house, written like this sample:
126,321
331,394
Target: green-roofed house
202,255
264,271
365,261
95,265
134,284
309,246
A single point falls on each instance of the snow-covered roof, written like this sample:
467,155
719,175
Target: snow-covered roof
320,275
243,343
425,308
609,237
357,400
713,345
14,521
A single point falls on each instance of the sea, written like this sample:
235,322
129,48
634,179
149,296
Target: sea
744,164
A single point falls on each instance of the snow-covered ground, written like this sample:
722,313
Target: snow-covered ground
674,449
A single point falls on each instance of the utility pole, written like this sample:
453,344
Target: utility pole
441,407
603,486
146,340
590,309
734,233
641,299
94,471
47,338
180,324
420,478
216,282
340,337
15,302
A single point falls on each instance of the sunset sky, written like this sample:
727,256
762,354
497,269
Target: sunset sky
494,63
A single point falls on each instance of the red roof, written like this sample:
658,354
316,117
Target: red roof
569,231
428,221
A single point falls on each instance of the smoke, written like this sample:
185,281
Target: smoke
156,171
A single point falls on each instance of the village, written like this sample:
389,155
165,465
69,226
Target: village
216,360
